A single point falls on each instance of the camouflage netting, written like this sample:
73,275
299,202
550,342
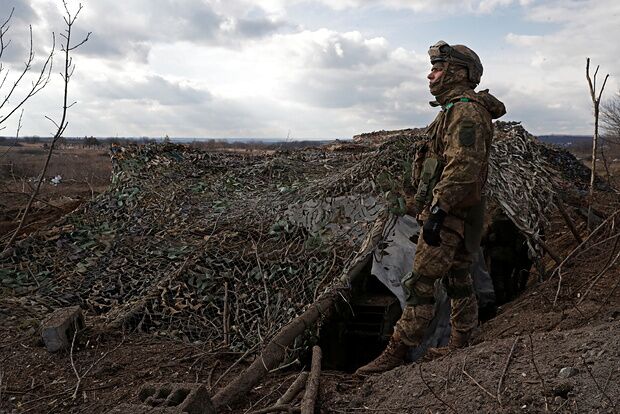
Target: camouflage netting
226,248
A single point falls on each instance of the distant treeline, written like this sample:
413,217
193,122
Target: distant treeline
213,144
207,144
565,140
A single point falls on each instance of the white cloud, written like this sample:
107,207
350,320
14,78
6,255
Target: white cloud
548,71
315,83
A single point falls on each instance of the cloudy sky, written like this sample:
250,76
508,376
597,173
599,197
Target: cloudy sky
308,69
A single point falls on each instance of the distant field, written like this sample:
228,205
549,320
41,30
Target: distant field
84,171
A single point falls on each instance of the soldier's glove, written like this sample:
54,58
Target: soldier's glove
432,227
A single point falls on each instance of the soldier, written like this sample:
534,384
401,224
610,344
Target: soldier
450,172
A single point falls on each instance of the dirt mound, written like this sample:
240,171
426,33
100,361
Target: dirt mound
555,349
567,371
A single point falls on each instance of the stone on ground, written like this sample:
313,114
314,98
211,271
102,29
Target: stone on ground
59,327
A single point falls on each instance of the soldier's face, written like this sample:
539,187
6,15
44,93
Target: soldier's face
435,74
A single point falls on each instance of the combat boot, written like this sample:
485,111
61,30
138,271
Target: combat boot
392,357
457,340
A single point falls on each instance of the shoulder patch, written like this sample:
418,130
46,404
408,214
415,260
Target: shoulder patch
467,133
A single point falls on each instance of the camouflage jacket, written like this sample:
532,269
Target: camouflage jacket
460,137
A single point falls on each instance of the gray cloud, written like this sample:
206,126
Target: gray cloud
17,37
102,116
259,27
154,88
347,50
129,30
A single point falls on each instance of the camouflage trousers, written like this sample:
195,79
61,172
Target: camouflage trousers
449,262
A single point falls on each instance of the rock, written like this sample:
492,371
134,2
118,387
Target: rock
58,328
568,372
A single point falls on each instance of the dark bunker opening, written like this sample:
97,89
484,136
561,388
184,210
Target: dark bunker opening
360,329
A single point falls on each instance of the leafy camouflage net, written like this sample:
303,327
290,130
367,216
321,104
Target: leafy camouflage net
226,248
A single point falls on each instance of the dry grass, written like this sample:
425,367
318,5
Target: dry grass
78,164
85,172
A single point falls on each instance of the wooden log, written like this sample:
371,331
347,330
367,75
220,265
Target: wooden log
312,386
274,352
294,389
568,220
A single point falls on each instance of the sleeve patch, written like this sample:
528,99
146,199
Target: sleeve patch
467,133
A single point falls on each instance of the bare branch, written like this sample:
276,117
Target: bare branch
433,391
602,391
37,85
588,77
595,72
596,104
62,125
501,378
602,88
52,121
86,40
3,29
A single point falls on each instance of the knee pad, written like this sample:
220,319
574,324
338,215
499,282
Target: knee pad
458,284
418,289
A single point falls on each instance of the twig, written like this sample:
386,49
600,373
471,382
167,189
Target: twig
602,391
267,313
463,368
211,371
77,374
596,279
81,377
285,366
576,249
237,362
293,389
58,394
501,378
479,386
506,329
312,385
611,374
542,381
225,316
549,250
433,392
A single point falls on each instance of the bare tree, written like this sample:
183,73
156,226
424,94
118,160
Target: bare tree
610,119
8,90
67,47
596,101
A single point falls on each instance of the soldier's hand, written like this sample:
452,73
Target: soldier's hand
432,228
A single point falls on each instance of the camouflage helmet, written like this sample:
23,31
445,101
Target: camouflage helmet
459,55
